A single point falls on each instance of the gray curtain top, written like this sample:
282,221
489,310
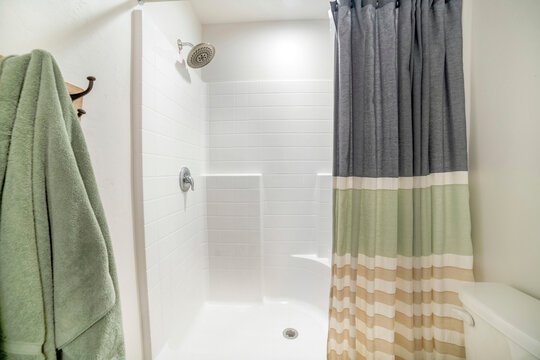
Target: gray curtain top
399,90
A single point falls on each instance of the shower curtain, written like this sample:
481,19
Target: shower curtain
401,241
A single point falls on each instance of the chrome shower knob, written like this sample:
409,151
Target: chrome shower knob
185,180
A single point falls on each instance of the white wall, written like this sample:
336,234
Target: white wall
282,130
175,20
234,237
174,134
270,113
273,50
505,151
92,38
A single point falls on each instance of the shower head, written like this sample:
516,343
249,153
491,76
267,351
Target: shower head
200,54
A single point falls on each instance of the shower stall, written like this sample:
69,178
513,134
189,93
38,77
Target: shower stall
234,257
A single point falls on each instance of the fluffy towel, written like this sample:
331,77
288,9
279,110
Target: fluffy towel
58,286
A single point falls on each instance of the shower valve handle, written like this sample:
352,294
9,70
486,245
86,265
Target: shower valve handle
189,180
185,180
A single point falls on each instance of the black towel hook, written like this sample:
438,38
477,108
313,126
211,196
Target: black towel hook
91,80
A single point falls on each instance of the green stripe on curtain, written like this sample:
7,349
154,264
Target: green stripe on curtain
398,222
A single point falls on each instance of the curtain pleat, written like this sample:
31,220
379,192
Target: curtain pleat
401,241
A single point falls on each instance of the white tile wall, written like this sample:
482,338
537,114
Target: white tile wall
283,130
234,237
175,133
324,222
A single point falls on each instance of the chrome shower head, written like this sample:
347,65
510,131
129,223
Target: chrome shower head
200,54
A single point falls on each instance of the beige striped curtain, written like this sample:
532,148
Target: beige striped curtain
401,241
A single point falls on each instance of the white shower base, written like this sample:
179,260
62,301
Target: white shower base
253,331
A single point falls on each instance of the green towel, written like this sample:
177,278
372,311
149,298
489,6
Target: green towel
58,286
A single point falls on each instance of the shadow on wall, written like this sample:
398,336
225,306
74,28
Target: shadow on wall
183,70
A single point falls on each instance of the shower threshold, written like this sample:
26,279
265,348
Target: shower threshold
253,331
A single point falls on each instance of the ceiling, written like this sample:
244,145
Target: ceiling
230,11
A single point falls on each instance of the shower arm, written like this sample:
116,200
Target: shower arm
181,44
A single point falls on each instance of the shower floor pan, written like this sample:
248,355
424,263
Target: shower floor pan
253,331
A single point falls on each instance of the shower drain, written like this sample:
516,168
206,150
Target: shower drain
290,333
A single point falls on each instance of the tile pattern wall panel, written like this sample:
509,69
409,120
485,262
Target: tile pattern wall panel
283,130
324,223
234,237
174,133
